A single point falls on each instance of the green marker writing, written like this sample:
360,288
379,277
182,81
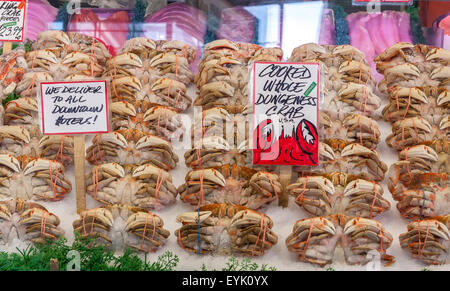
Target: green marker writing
310,88
7,24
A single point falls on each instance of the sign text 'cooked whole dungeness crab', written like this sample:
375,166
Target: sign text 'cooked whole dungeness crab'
285,98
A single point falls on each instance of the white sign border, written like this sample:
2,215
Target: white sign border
41,112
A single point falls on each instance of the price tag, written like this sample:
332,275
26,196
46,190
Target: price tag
74,107
12,20
285,123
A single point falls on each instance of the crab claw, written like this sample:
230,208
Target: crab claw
326,151
112,169
192,217
10,162
208,174
126,59
145,170
42,164
15,132
123,108
419,151
360,186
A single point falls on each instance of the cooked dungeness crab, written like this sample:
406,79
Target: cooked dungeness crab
27,221
334,193
51,39
425,57
141,46
177,47
165,122
427,195
341,156
218,69
432,157
314,240
416,130
225,229
24,112
32,178
173,66
169,92
354,128
428,240
12,68
409,75
351,97
430,103
17,140
89,45
27,87
214,151
144,186
120,227
230,184
131,147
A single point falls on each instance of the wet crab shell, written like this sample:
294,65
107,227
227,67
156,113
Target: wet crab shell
314,240
121,227
32,178
144,186
131,146
225,229
12,69
230,184
27,221
333,193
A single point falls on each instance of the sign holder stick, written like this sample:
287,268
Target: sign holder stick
79,160
7,47
285,179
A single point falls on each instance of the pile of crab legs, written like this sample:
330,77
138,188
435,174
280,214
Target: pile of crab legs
342,194
417,83
225,190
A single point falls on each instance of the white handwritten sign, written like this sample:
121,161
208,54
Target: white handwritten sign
12,20
285,98
74,107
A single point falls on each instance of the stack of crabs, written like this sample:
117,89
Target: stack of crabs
32,165
417,83
225,191
343,193
150,81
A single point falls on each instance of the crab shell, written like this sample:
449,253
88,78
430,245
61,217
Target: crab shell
51,39
334,193
415,130
225,229
314,240
230,184
353,128
427,196
432,157
27,221
340,156
88,45
413,102
120,227
32,178
131,146
169,92
428,240
144,186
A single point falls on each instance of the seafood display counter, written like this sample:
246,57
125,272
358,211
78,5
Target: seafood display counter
175,172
